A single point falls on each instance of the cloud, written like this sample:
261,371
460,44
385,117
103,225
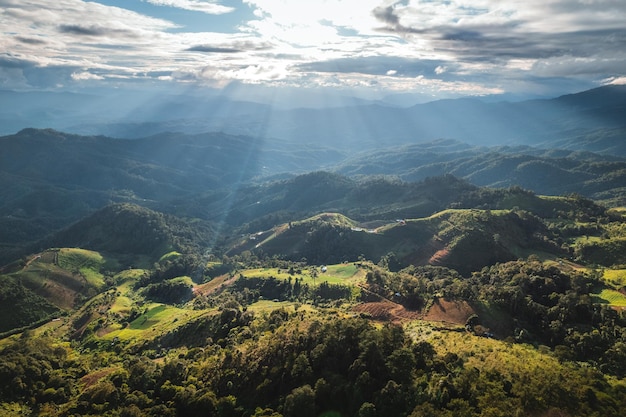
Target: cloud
615,81
208,7
10,61
31,41
233,47
92,30
84,76
470,45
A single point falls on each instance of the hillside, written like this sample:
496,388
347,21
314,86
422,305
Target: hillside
279,338
492,304
462,239
545,171
368,268
49,179
49,284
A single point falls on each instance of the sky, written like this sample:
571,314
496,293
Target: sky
433,48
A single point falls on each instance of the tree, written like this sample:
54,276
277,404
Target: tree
367,410
300,403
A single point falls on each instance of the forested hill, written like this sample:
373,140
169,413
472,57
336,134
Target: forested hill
545,171
50,179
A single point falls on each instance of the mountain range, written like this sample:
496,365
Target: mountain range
583,120
198,256
50,179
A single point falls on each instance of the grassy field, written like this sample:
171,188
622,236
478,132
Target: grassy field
158,319
345,274
615,277
611,297
125,280
267,306
88,263
169,256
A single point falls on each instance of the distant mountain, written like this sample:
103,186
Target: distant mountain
545,171
571,121
50,179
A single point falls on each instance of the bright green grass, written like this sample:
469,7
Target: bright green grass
159,318
615,277
331,218
611,297
267,305
341,270
129,275
87,262
184,279
94,278
125,281
77,258
169,256
122,304
267,272
335,274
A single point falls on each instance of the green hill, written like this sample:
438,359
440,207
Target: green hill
462,239
51,283
129,229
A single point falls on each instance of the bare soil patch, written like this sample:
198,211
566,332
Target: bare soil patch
214,285
387,311
456,312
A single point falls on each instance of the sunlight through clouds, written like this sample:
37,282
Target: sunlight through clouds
481,45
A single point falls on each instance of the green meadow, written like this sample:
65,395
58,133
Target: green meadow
611,297
345,274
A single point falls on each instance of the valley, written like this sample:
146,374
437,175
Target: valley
229,274
465,295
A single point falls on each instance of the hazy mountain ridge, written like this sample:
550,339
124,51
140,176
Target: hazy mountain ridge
570,119
547,171
51,179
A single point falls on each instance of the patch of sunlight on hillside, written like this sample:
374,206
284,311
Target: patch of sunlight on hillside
158,319
611,297
615,277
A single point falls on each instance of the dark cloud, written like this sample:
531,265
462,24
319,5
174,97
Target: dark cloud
495,43
481,46
93,30
82,30
30,41
231,49
387,15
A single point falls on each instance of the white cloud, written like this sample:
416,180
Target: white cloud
615,81
487,42
208,7
85,76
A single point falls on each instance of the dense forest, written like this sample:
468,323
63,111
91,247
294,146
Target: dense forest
484,302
